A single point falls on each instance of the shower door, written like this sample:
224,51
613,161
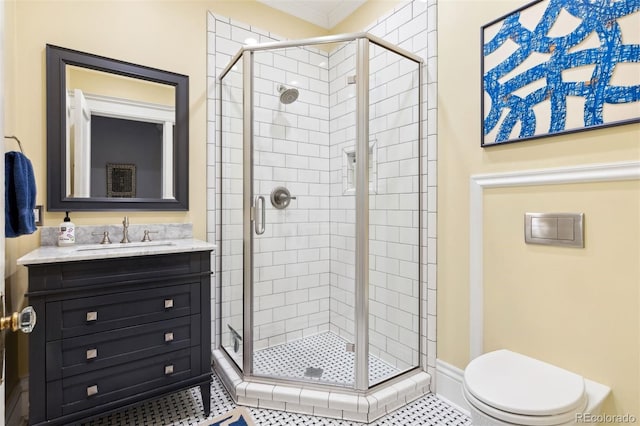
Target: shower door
302,233
320,224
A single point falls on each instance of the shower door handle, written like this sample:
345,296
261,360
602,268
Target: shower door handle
259,205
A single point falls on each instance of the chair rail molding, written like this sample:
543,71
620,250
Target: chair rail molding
588,173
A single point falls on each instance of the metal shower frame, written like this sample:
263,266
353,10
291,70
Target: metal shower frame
361,316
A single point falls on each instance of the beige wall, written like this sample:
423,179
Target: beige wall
579,308
170,35
575,308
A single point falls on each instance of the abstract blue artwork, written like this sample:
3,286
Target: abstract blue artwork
560,66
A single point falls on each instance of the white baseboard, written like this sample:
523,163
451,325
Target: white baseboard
17,408
449,385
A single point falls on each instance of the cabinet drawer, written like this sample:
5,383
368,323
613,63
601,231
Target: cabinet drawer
80,355
95,273
77,317
84,391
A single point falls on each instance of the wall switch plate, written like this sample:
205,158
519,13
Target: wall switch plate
37,212
554,229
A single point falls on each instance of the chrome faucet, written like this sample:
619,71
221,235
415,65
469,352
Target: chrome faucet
105,237
125,230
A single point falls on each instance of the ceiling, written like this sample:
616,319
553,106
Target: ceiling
324,13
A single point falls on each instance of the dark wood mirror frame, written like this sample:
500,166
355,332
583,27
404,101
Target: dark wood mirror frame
57,58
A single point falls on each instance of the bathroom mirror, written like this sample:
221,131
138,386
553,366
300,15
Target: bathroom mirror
117,134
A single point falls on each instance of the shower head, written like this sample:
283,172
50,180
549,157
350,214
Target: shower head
287,95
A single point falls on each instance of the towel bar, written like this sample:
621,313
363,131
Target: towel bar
17,140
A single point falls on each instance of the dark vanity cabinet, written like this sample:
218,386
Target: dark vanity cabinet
115,332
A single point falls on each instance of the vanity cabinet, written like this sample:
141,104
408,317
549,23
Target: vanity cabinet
115,332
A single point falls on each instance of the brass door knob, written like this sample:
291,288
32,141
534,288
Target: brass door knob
24,320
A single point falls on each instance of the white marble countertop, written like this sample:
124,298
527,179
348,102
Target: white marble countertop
55,254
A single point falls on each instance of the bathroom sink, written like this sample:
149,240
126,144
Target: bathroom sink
126,245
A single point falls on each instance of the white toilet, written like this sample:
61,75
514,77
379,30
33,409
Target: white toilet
507,388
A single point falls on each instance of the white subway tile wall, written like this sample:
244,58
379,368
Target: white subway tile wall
304,263
342,101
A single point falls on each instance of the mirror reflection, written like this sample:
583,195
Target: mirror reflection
119,136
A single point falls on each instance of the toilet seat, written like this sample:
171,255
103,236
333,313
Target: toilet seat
520,419
517,389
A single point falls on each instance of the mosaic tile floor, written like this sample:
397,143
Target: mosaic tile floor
326,351
185,409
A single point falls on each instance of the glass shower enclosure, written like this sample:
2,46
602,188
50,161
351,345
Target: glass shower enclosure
320,201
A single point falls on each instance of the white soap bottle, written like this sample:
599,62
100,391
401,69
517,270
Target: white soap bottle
66,232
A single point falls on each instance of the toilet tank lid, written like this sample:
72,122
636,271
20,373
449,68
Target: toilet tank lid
516,383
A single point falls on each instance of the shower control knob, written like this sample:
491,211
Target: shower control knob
281,197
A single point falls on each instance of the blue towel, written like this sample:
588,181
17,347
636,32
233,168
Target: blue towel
20,195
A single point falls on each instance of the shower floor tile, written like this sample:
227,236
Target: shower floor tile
185,409
322,358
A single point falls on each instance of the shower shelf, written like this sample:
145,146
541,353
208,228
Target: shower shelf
349,170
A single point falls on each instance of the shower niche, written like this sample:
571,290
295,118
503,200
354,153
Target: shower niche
320,302
349,170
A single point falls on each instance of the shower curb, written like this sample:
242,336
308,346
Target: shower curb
303,400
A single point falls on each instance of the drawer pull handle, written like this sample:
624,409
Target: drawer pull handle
168,303
168,337
168,369
92,353
92,390
92,316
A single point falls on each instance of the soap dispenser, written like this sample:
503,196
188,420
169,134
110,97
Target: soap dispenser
66,232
